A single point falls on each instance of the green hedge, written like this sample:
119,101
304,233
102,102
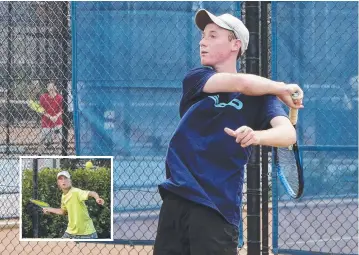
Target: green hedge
54,226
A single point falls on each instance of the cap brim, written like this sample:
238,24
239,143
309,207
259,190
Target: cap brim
63,175
203,18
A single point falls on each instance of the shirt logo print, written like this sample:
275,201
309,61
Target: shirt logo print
234,103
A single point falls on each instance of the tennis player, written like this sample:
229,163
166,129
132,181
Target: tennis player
51,121
222,114
80,225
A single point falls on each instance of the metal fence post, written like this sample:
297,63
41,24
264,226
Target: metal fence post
35,215
65,78
253,167
9,77
265,149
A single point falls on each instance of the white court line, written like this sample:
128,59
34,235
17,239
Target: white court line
321,240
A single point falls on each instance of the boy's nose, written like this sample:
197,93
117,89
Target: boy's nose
203,42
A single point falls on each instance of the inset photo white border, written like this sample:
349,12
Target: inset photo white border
21,168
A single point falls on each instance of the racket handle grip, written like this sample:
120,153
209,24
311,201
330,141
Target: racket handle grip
293,113
293,116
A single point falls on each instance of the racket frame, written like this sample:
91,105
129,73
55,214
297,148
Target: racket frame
293,117
34,201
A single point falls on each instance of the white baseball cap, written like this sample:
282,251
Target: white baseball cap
64,173
226,21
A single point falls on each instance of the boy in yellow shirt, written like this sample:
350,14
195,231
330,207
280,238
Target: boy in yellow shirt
73,205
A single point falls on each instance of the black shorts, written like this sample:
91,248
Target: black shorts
187,228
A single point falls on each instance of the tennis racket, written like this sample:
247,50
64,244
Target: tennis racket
288,163
39,203
35,106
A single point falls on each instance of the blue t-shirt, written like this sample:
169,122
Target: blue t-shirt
203,163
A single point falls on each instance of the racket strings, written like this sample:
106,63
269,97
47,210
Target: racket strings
288,169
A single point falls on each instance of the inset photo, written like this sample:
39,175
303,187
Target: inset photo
66,198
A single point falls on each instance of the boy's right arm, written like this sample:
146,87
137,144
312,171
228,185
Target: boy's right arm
253,85
58,211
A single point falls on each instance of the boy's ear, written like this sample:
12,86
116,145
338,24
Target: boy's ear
237,45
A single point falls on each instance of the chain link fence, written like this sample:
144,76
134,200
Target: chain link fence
128,61
35,50
316,45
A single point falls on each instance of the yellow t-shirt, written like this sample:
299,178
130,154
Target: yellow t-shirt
73,203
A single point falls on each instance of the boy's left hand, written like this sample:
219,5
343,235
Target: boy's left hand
244,135
100,201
